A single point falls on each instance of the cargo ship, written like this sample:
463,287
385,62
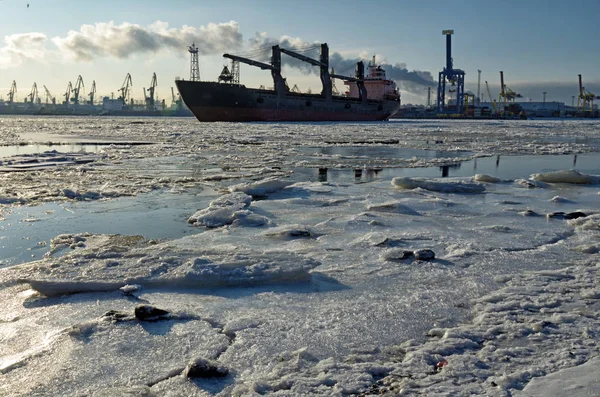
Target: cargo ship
369,97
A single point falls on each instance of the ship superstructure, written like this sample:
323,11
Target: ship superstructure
377,85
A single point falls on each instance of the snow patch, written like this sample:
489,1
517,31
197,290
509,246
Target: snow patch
450,186
566,176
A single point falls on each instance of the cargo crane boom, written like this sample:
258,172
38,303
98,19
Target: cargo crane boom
67,93
33,94
150,97
585,101
78,86
323,65
92,92
492,100
12,92
506,94
125,89
275,67
49,96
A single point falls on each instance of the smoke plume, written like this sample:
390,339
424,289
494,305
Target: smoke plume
120,41
412,81
20,47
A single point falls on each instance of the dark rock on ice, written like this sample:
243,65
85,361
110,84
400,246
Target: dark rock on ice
398,254
150,313
424,255
115,315
203,368
528,212
563,215
575,215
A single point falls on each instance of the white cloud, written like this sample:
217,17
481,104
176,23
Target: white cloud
106,39
20,47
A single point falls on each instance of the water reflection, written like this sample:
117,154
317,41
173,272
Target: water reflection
513,167
17,150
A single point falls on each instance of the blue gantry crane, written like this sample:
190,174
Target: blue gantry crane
455,77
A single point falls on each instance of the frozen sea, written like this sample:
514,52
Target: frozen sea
166,257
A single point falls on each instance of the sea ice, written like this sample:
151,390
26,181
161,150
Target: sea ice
457,186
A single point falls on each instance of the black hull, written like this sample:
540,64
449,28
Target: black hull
211,101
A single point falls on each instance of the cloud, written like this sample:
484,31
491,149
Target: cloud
106,39
260,44
20,47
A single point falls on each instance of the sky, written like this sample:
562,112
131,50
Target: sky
541,45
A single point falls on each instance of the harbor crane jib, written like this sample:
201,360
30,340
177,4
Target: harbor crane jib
67,93
506,94
323,65
149,99
281,87
585,100
275,68
12,92
49,96
92,92
492,100
455,77
77,89
125,89
33,95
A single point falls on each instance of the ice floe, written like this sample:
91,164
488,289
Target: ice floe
566,176
457,186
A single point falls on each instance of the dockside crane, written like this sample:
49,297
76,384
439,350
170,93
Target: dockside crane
49,96
78,86
585,100
125,89
478,87
12,92
92,92
492,100
67,93
149,99
33,94
456,77
506,94
507,97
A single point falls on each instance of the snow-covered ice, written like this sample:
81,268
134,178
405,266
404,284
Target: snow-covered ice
320,265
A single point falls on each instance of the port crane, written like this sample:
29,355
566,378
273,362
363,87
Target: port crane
456,77
33,94
49,96
175,100
478,87
585,100
149,99
78,86
92,92
125,89
67,93
506,94
492,100
12,92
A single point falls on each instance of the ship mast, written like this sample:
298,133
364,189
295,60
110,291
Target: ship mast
194,68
